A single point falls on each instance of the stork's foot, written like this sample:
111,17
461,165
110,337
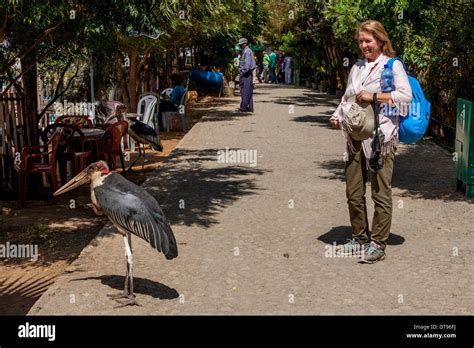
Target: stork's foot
120,295
128,301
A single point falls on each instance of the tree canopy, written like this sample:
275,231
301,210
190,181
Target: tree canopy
129,43
434,37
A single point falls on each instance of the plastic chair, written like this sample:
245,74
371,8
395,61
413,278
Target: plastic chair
110,145
67,151
46,164
149,104
181,113
78,121
149,93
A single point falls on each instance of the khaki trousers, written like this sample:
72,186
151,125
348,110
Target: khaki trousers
381,185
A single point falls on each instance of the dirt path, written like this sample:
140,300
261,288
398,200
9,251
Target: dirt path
253,239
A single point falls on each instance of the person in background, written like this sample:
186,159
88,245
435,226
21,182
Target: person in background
246,67
288,63
273,65
280,67
260,71
266,64
171,103
257,72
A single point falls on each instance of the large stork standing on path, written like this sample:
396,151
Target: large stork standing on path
131,209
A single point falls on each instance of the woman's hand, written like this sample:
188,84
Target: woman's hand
335,122
364,96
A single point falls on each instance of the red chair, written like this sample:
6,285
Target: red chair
78,121
39,159
71,148
110,144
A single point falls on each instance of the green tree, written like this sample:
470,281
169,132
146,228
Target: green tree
433,37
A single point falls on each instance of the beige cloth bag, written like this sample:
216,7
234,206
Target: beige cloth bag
359,120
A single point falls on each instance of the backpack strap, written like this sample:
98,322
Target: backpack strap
392,60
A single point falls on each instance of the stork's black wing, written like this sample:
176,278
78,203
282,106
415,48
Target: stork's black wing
133,209
142,128
145,134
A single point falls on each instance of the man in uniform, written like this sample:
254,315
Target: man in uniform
246,67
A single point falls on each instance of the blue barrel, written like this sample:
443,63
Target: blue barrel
209,78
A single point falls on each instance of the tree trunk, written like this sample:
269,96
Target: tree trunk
30,114
30,95
132,84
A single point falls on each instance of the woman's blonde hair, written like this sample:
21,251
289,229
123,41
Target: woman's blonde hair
378,31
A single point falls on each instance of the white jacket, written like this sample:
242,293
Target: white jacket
359,79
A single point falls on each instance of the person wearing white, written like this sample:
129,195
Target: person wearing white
365,76
288,63
364,82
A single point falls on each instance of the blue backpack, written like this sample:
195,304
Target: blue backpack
413,126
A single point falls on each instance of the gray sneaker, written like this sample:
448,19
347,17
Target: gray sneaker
351,248
372,253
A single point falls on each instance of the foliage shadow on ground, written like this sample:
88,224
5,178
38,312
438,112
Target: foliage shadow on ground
193,188
423,171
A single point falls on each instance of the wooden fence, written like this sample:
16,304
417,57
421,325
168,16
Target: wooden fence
14,134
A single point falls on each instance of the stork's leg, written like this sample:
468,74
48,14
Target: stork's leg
136,159
126,291
131,264
143,158
130,301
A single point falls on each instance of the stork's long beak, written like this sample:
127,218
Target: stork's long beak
80,179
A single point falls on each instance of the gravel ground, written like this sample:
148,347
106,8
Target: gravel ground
252,238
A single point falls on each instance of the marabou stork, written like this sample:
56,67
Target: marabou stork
143,134
131,209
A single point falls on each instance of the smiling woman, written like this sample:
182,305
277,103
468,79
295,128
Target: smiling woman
364,83
373,40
